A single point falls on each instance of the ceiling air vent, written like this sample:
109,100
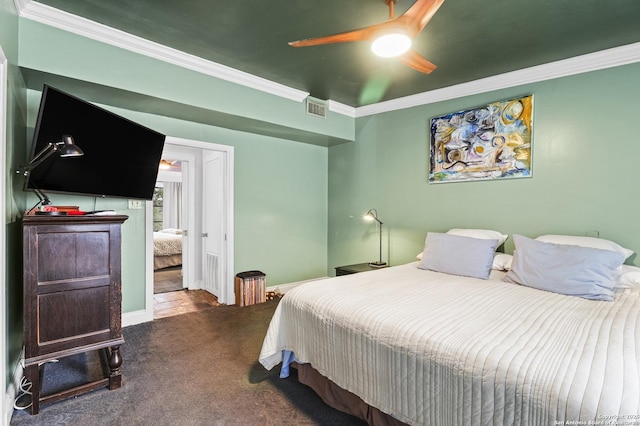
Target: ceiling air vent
316,107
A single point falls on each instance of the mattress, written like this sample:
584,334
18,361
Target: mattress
435,349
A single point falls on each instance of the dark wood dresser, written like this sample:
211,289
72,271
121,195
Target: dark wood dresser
72,296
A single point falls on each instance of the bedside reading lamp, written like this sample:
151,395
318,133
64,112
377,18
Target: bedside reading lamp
373,215
66,148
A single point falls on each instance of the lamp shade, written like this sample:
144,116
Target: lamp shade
69,148
65,148
372,214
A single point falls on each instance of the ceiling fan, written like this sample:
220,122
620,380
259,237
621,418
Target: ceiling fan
391,38
168,164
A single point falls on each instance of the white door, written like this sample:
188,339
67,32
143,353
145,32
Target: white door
213,226
187,224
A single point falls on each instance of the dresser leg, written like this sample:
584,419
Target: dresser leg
33,375
115,361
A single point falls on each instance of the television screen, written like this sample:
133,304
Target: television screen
120,158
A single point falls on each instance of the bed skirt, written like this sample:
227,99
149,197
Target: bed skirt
341,399
160,262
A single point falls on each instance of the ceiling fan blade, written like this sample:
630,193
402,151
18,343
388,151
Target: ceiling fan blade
420,13
417,62
355,35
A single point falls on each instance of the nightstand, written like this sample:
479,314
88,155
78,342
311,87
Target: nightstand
354,269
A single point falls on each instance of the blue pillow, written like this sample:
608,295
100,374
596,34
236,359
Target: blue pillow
566,269
458,255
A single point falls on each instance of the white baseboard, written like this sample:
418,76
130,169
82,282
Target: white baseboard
283,288
196,285
136,317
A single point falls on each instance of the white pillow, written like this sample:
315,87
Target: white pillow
171,231
502,262
628,277
484,234
599,243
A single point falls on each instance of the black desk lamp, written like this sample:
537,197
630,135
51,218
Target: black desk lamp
66,148
373,215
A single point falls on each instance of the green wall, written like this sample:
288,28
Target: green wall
585,173
281,185
15,110
280,201
280,196
9,29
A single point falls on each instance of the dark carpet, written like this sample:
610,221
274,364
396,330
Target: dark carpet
193,369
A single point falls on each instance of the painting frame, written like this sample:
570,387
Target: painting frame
489,142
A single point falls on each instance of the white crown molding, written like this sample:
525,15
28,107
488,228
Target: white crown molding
21,4
609,58
343,109
580,64
75,24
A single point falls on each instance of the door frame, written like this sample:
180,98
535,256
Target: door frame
228,278
189,215
6,395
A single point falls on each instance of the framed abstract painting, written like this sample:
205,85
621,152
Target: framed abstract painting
488,142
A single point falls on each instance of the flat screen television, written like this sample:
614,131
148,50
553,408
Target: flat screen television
121,158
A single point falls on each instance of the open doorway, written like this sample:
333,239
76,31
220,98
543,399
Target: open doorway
206,228
168,228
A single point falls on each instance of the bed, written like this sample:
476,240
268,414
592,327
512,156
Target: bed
167,248
427,347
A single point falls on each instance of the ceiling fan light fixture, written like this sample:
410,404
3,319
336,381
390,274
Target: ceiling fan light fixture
165,165
391,45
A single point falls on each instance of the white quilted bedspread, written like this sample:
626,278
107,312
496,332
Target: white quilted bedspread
437,349
166,244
